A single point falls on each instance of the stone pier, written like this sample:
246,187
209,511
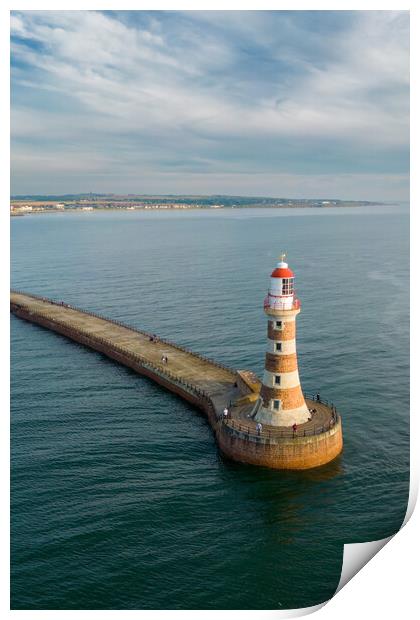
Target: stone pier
205,383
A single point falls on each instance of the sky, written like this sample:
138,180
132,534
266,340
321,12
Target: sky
299,104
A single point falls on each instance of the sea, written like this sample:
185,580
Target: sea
120,498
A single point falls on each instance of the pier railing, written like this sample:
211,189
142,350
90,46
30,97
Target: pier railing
244,432
316,398
272,435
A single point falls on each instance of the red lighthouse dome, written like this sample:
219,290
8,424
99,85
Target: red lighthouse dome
282,271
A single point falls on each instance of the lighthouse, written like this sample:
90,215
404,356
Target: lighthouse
281,397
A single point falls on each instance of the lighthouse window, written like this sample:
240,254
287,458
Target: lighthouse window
287,288
277,379
276,404
279,324
278,346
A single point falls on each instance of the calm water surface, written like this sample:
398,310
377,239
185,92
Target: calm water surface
120,498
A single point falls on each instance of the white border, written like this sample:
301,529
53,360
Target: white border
385,587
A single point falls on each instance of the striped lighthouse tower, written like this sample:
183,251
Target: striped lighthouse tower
283,403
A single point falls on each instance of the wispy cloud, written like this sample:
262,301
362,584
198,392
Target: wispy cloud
156,101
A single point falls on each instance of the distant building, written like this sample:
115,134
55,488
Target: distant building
22,208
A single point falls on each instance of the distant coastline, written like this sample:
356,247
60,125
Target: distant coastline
31,204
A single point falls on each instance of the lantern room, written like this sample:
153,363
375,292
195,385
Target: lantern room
282,280
281,294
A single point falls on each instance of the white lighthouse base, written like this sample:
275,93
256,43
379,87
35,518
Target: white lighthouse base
286,417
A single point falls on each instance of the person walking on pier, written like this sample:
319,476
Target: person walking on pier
259,428
225,413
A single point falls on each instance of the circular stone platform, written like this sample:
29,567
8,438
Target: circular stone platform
241,418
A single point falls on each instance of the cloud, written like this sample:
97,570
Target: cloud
237,92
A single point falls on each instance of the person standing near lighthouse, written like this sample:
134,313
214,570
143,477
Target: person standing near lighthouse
282,400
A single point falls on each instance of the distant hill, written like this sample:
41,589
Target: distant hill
121,200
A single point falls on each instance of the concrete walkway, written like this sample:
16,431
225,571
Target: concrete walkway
204,374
